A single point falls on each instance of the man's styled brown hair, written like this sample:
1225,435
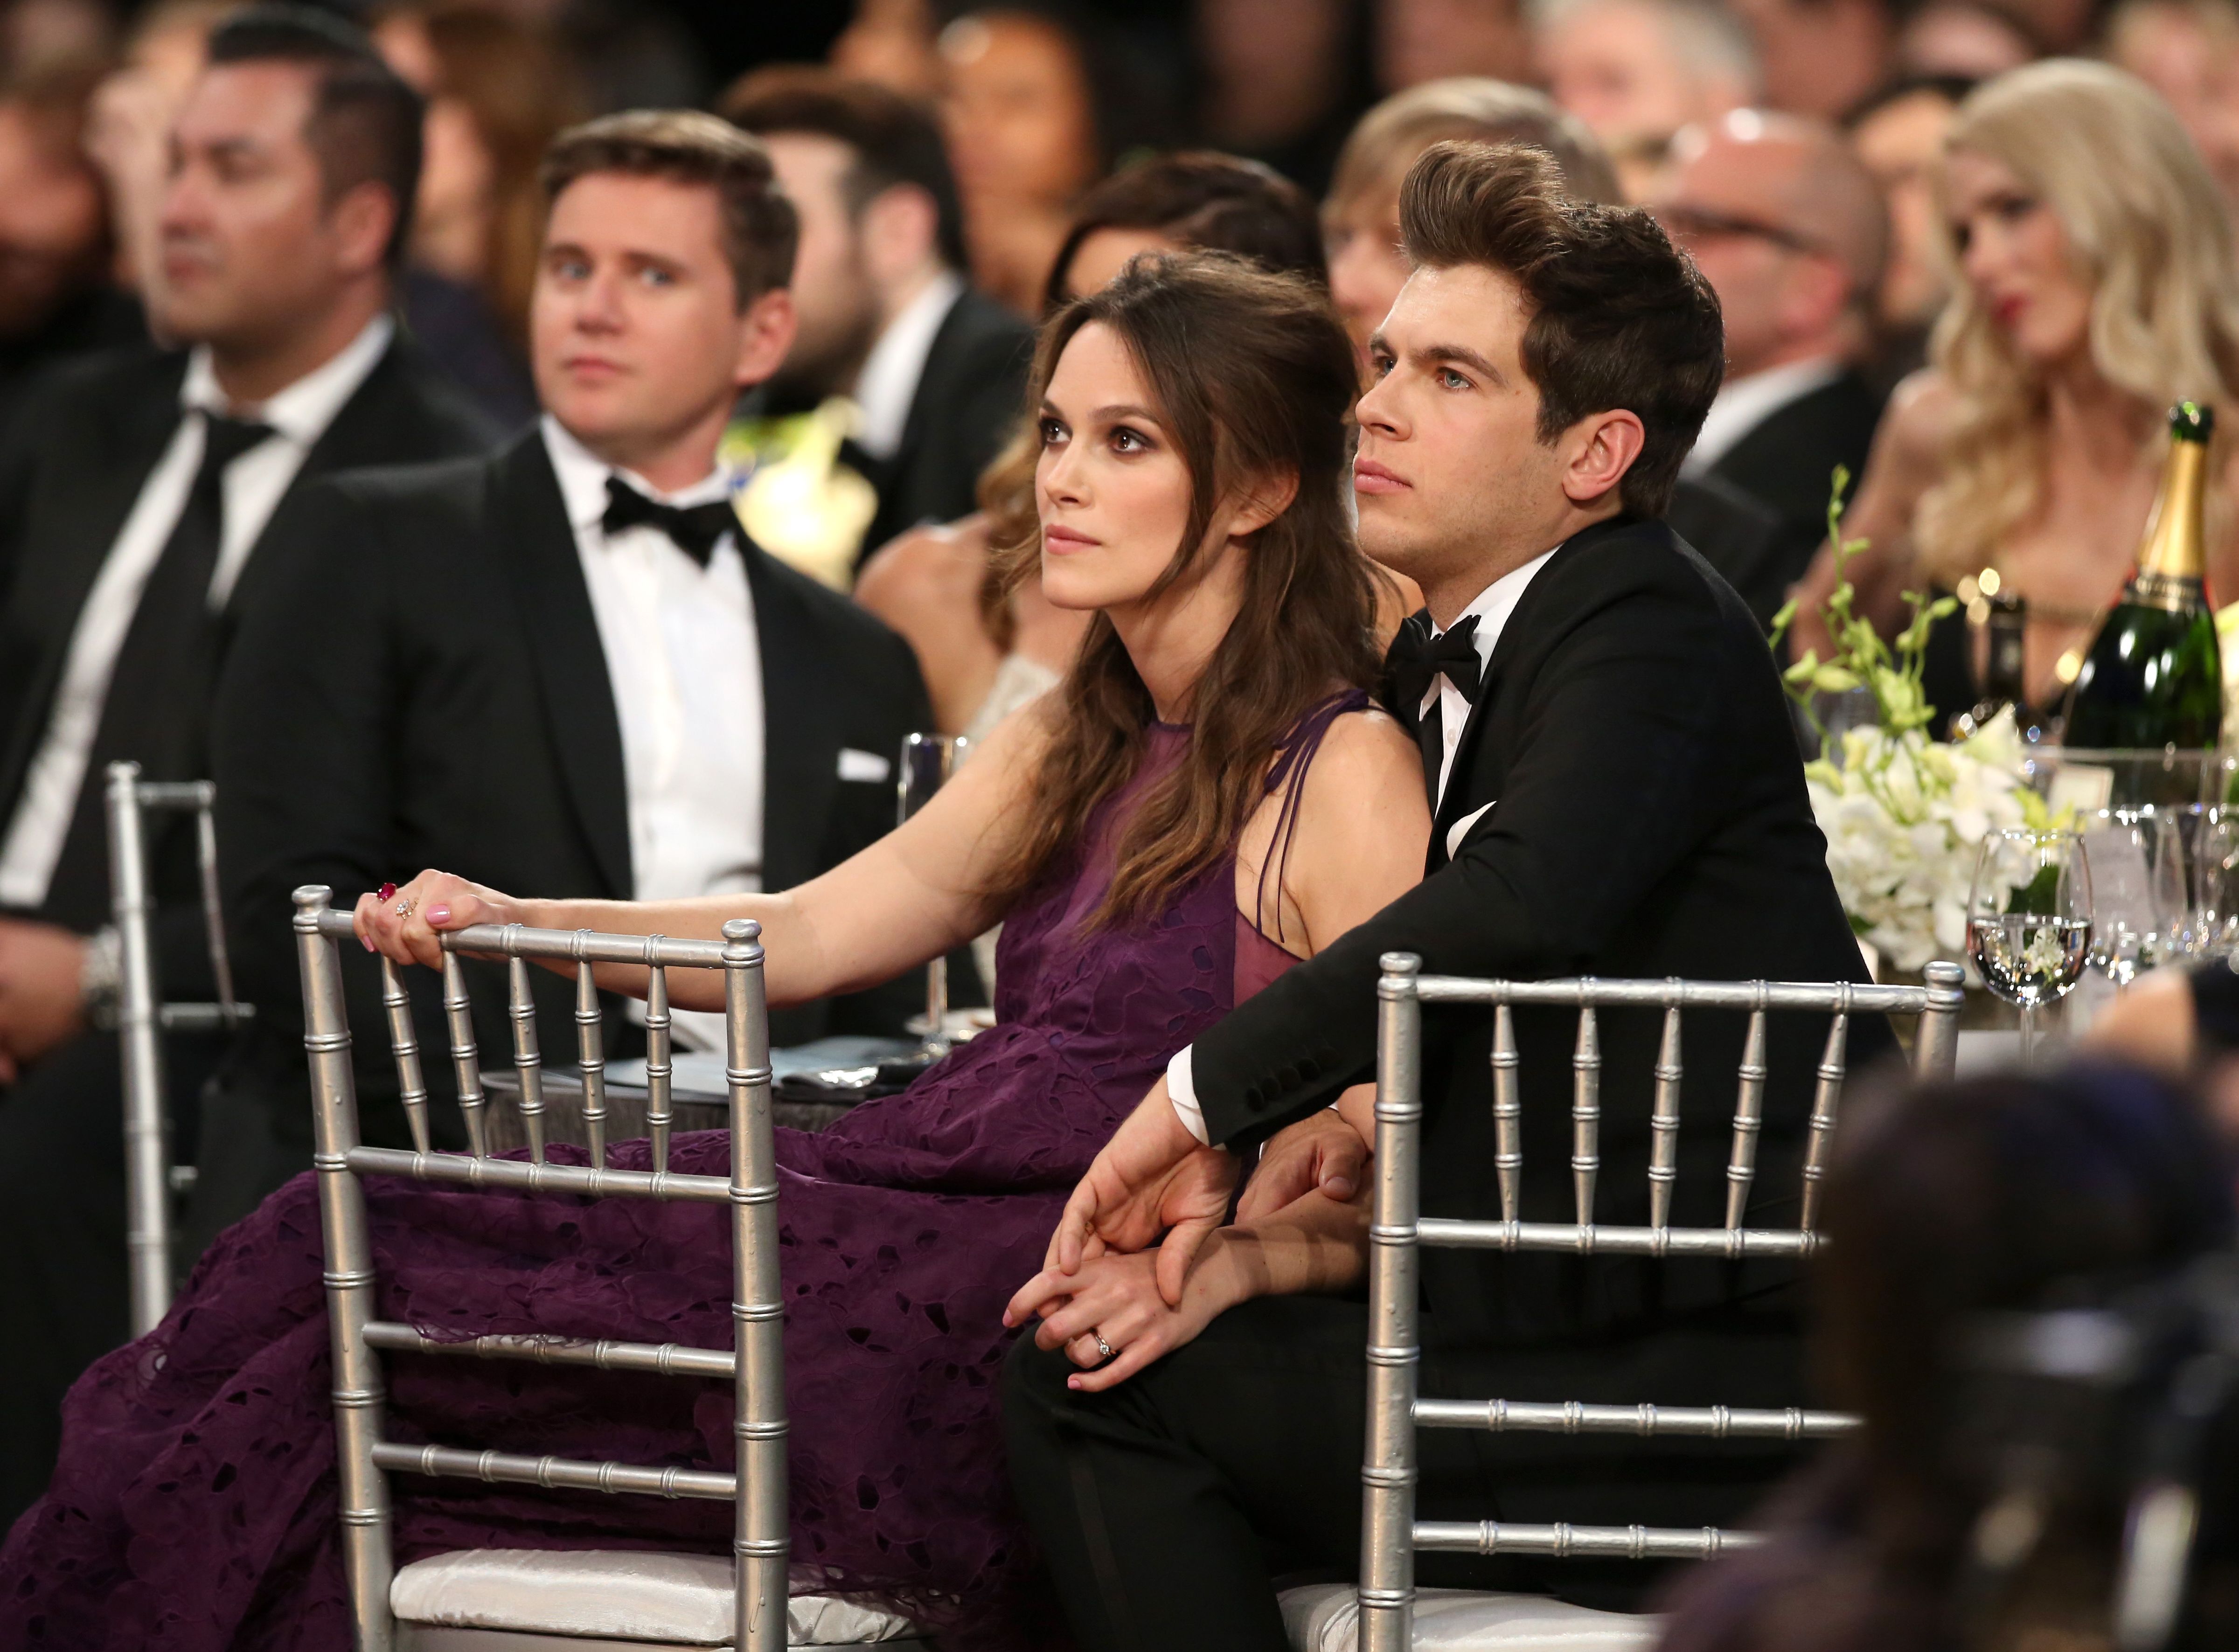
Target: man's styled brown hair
687,146
1619,316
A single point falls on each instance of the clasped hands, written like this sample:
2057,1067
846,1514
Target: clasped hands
1112,1301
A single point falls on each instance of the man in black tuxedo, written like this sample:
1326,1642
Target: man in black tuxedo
1618,793
936,370
133,499
1789,228
562,668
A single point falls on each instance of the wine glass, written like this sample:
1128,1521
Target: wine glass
2139,905
2028,919
927,761
2214,864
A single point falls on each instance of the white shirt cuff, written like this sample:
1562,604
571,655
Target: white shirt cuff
1182,1088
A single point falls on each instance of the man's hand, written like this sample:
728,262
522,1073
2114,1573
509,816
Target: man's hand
42,996
1152,1177
1321,1152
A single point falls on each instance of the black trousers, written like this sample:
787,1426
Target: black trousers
65,1293
1173,1507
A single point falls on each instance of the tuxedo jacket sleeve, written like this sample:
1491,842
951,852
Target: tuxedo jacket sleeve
1629,728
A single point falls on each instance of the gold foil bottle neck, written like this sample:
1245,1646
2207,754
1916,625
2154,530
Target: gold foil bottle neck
2173,555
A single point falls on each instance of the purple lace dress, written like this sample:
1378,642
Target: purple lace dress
194,1507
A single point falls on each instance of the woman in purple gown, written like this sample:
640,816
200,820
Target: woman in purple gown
1206,798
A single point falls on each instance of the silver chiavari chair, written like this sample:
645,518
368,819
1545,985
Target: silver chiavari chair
499,1601
150,1177
1390,1533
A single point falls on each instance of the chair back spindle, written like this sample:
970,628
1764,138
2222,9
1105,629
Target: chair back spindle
591,1058
1749,1119
659,1066
1664,1123
404,1046
466,1058
1826,1095
1507,1114
1586,1114
527,1065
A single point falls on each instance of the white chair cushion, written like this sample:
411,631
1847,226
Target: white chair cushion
619,1594
1326,1617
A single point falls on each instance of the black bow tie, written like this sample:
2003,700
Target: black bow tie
695,529
1419,659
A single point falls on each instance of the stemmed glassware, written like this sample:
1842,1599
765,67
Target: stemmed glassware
2213,855
927,761
2028,919
2140,906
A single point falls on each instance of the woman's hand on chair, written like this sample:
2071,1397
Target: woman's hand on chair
406,924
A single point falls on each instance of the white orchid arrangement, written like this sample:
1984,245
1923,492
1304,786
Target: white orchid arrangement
1904,813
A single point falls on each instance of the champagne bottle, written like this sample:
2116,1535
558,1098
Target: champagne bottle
2005,682
2154,677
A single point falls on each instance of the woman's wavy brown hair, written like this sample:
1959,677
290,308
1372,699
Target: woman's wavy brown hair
1252,379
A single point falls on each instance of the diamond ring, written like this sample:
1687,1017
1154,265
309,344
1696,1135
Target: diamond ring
404,909
1102,1347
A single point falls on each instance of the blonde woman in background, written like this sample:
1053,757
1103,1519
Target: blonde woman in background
2095,285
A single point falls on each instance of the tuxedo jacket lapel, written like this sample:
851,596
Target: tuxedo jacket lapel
800,740
1472,785
73,523
538,548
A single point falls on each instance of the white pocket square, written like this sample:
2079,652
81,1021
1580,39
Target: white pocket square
1460,829
864,766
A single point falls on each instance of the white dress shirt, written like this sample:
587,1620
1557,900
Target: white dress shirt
888,384
1493,607
684,665
253,487
1742,404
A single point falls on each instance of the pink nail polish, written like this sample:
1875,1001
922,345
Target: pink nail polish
438,914
368,944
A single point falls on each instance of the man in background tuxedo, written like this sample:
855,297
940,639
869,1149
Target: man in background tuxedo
935,370
134,501
563,667
1617,793
1789,229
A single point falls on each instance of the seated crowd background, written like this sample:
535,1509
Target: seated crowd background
570,447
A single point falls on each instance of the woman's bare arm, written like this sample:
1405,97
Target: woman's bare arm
1362,828
914,895
1906,462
